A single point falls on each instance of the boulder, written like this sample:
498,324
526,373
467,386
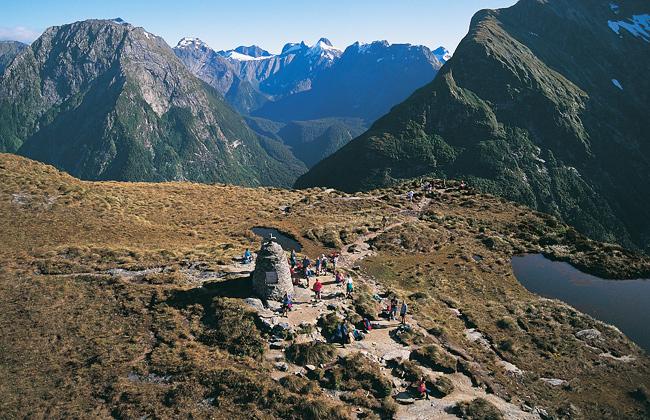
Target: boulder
272,276
591,334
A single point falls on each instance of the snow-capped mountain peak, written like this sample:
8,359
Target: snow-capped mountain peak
442,54
324,48
188,42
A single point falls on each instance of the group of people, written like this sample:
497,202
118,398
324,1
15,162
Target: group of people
392,310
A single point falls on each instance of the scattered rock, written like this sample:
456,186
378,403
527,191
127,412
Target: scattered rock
281,366
402,354
310,368
254,303
554,381
590,334
277,345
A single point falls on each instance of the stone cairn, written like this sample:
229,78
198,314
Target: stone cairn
272,275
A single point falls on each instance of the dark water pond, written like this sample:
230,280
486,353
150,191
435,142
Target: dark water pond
285,241
623,303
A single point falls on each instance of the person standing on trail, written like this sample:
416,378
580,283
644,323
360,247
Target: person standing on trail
318,287
393,309
293,260
384,222
349,286
410,195
402,312
323,264
335,261
286,304
422,388
319,265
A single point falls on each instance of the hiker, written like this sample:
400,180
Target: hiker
367,326
422,388
349,287
248,256
335,261
319,265
318,287
287,304
293,259
338,278
393,309
402,312
410,195
384,222
345,334
323,264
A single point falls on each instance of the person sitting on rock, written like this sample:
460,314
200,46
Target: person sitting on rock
421,387
287,304
248,256
338,278
318,287
367,326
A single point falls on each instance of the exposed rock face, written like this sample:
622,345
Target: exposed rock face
539,104
272,275
8,51
106,100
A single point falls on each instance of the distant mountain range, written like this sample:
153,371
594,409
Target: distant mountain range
545,102
103,99
333,95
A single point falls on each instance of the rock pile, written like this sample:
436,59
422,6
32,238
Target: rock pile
272,276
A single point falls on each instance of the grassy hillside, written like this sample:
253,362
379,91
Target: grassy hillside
80,336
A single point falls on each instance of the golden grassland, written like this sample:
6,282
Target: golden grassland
78,341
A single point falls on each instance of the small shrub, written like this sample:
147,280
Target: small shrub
314,353
478,409
328,324
232,328
434,357
407,369
506,323
299,385
442,387
357,372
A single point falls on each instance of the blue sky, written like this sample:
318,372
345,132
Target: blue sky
268,23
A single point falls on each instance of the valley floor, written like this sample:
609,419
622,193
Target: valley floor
127,300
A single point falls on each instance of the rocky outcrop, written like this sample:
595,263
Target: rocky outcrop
272,275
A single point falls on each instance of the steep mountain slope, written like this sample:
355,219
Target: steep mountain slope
313,140
105,100
545,103
9,50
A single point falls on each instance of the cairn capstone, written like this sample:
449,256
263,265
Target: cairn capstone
272,275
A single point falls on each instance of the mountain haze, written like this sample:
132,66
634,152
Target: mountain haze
545,103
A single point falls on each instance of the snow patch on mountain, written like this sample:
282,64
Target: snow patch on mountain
234,55
324,48
442,54
188,42
638,25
